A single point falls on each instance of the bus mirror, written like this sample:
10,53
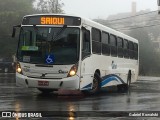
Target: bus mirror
14,30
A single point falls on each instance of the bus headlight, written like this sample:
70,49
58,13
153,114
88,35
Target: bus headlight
73,70
18,68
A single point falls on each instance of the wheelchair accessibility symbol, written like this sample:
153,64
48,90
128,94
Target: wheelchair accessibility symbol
49,59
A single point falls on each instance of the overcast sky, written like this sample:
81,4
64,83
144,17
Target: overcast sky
102,8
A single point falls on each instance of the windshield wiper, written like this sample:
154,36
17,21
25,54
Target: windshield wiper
35,28
59,32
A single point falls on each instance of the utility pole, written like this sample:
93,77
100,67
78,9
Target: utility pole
56,6
158,3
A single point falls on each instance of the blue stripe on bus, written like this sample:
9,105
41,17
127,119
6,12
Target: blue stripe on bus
109,78
105,80
87,86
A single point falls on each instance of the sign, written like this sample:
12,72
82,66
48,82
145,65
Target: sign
49,59
18,115
51,20
43,83
74,114
29,48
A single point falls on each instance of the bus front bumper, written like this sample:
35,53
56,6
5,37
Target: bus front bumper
69,83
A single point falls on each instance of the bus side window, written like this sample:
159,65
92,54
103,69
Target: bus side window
136,51
86,43
105,44
131,50
125,48
113,43
120,46
96,41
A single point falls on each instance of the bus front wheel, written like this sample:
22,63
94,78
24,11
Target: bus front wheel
95,85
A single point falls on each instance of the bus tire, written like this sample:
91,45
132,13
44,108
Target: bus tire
129,80
95,86
45,91
125,87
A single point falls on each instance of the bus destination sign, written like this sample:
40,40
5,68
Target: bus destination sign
51,20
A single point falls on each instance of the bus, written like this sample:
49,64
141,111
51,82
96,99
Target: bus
58,51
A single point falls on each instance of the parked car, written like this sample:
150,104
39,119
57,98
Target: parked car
7,67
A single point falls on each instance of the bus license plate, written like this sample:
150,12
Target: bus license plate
43,83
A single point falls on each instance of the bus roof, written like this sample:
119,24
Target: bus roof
92,23
107,29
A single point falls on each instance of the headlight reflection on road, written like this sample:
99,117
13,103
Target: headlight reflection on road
71,113
71,118
17,109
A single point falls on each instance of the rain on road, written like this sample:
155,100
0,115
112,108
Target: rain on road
144,95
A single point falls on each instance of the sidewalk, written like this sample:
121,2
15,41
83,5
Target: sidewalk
148,78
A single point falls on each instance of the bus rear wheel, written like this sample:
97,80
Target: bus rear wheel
129,80
46,91
95,85
125,87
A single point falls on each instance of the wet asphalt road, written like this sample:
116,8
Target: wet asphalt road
144,95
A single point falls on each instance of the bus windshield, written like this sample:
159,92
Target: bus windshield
49,45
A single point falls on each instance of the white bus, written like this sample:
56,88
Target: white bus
70,52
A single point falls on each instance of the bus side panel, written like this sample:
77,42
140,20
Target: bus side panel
117,72
111,73
86,74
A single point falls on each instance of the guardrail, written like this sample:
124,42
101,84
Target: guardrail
7,67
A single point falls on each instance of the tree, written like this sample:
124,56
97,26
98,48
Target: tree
148,58
50,6
11,13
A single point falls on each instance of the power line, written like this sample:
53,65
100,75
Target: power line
144,21
132,25
138,27
138,23
131,16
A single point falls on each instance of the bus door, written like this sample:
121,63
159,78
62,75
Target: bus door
86,52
